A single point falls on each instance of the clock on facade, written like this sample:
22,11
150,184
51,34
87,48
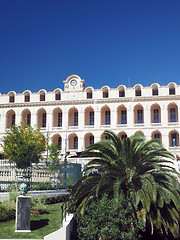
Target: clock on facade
73,82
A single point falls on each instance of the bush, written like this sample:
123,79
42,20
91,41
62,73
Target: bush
56,199
45,186
38,205
7,212
105,219
8,208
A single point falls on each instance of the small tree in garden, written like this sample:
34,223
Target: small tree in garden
23,145
52,162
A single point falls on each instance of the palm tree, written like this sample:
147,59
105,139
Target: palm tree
142,170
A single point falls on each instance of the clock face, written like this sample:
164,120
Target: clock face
73,82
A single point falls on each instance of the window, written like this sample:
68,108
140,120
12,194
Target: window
172,115
91,140
138,91
27,97
57,95
28,119
13,120
42,96
139,116
107,118
123,136
121,92
123,117
156,115
60,119
11,98
59,142
171,90
105,93
91,118
157,136
89,93
44,120
155,91
173,139
75,118
76,142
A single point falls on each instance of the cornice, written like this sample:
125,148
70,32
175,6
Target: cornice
92,101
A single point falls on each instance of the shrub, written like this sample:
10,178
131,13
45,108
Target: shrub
105,219
45,186
6,212
38,205
56,199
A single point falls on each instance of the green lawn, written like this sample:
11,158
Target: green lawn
40,225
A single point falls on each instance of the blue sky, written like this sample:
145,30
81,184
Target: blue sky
42,42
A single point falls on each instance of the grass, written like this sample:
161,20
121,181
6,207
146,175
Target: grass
41,225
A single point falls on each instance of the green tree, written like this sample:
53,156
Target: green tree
53,161
23,145
143,170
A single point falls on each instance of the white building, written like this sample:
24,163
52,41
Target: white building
83,113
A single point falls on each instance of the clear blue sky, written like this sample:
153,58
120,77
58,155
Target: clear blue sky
42,42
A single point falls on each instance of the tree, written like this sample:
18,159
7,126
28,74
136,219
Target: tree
23,145
53,159
143,170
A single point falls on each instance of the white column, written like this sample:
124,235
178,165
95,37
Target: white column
80,118
113,117
130,117
164,115
97,118
34,118
18,117
147,120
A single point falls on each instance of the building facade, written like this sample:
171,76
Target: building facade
80,114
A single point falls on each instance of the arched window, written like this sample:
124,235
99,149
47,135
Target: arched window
138,91
11,97
89,139
157,136
172,113
122,135
105,93
73,117
89,93
26,117
57,117
138,114
26,97
155,90
89,116
105,116
171,89
173,139
122,115
42,96
10,119
75,142
121,92
155,114
41,118
57,95
57,139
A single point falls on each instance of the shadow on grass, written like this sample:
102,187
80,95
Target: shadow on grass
39,224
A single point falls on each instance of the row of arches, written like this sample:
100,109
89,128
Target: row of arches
89,138
89,116
42,95
89,92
